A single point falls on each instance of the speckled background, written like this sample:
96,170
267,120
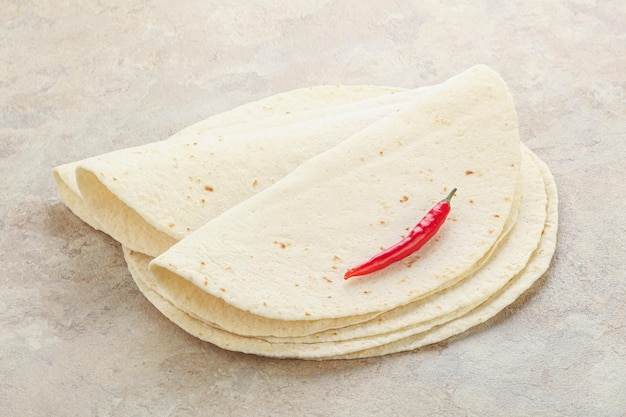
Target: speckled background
81,78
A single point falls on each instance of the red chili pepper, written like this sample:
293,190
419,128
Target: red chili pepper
422,233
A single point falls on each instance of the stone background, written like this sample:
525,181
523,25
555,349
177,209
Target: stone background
82,78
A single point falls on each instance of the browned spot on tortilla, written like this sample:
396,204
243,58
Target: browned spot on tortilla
471,201
497,216
228,268
381,153
296,285
281,244
336,258
307,314
330,296
367,292
264,304
202,263
132,252
383,222
327,279
490,231
334,267
444,122
255,183
203,200
507,198
404,199
114,179
468,172
205,283
171,225
208,188
409,263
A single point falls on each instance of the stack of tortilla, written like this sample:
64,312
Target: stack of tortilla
240,228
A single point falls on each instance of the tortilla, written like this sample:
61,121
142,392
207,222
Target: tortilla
272,109
152,196
281,254
508,265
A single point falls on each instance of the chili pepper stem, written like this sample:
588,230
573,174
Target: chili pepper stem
449,196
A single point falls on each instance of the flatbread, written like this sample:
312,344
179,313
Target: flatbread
439,328
273,110
281,254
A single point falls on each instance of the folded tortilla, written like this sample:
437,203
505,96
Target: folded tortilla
281,254
523,258
272,111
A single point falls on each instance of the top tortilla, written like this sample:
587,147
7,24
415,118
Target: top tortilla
281,254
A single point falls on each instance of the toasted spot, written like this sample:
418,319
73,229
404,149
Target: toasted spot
208,188
255,183
327,279
381,153
336,258
468,172
171,225
471,201
264,304
367,292
444,122
497,216
404,199
202,263
409,263
307,314
281,244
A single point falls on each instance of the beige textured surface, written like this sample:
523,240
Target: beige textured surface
77,337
